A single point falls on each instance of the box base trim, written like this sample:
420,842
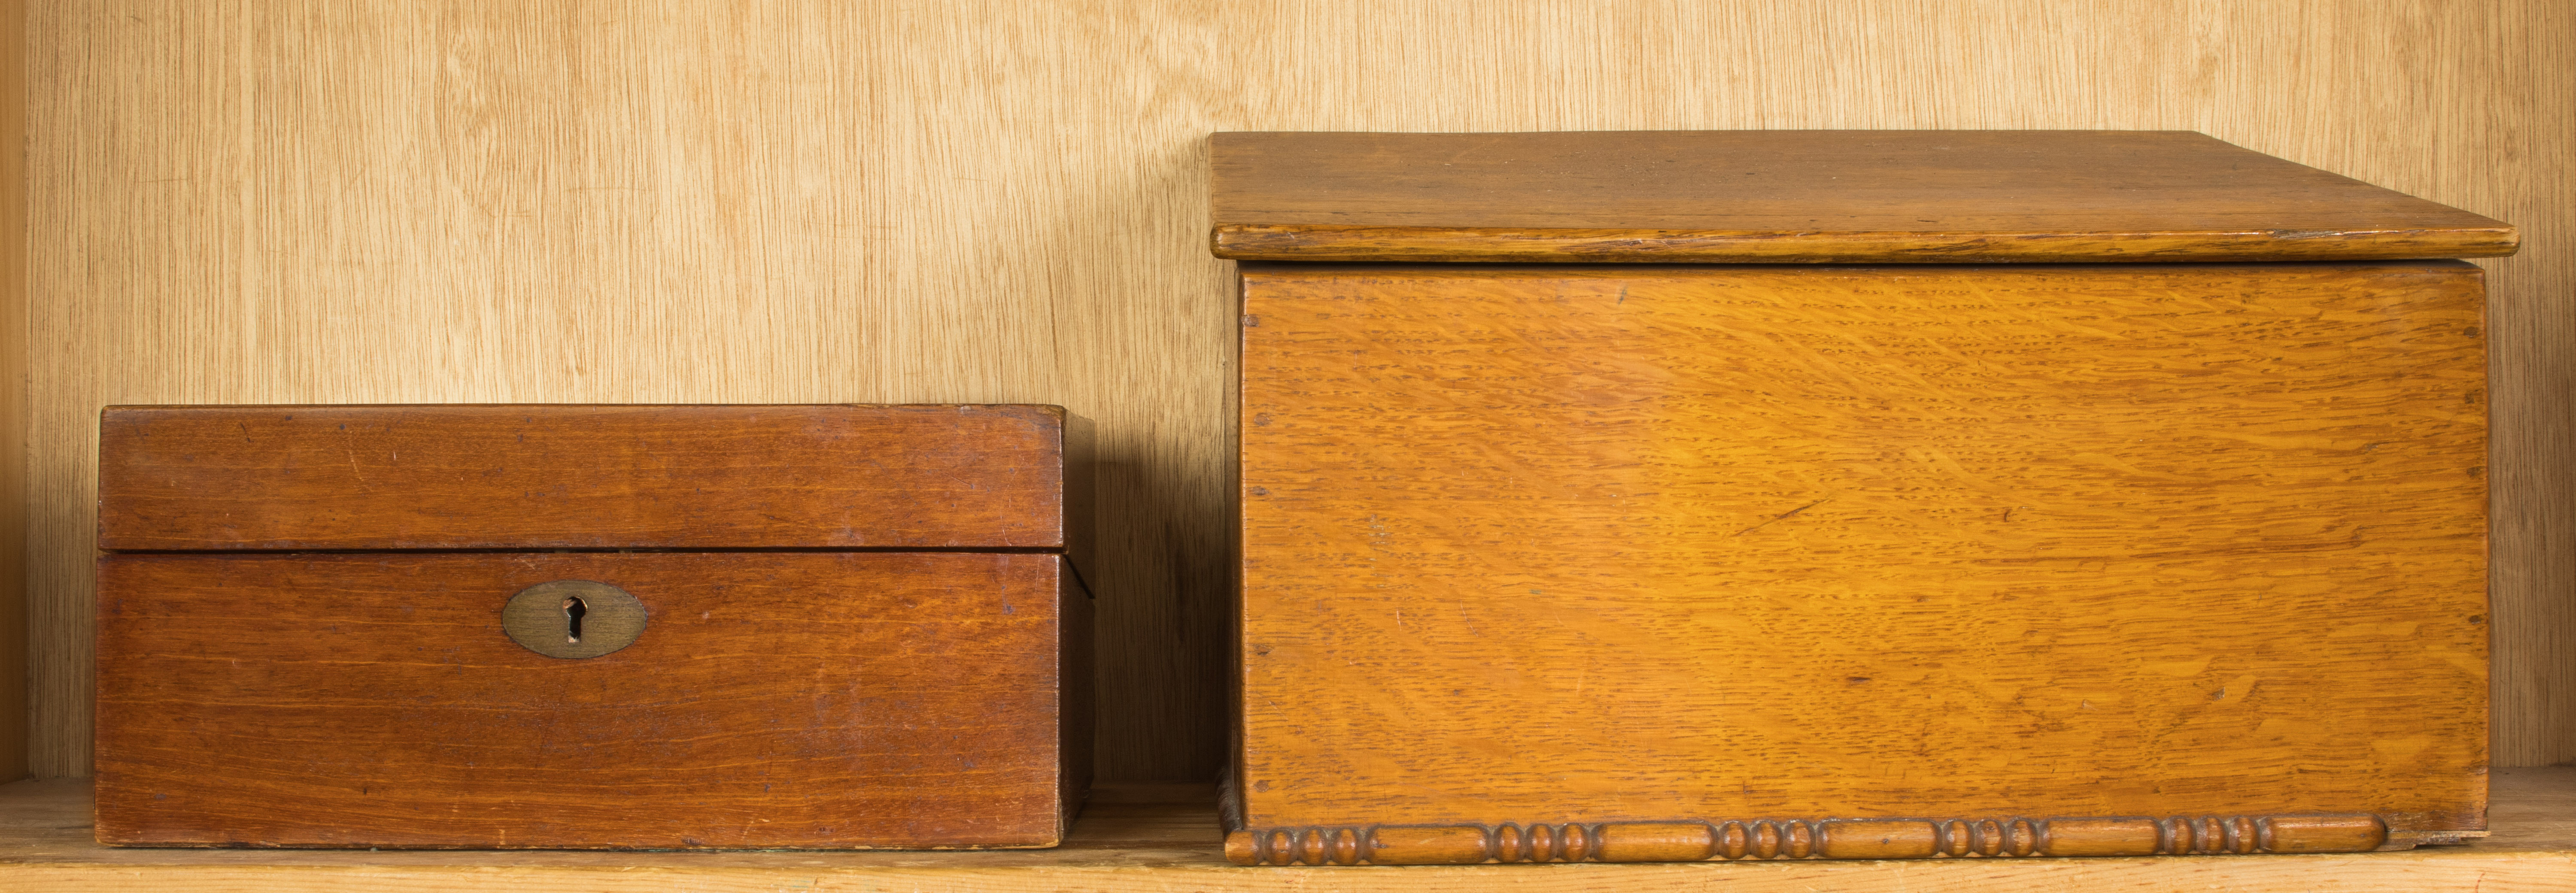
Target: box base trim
1698,840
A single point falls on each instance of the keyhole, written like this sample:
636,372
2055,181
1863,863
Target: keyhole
548,618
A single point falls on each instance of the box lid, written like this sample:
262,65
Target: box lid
1808,196
226,478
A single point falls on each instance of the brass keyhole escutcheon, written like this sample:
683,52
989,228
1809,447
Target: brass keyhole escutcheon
573,618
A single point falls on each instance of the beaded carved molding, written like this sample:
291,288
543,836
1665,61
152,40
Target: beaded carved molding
1692,841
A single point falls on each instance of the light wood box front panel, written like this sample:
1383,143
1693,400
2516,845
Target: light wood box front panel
1586,544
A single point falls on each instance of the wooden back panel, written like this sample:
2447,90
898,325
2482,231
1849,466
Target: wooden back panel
773,700
1532,544
565,477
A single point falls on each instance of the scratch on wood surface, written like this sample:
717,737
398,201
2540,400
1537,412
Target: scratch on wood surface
1782,516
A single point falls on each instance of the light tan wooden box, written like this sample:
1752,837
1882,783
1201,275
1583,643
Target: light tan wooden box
1676,496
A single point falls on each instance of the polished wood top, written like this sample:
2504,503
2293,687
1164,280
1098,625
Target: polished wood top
1808,196
568,476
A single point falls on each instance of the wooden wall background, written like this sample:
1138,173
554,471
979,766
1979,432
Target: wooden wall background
253,201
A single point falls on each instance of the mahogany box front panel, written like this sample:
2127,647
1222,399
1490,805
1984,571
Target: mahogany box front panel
1702,543
823,699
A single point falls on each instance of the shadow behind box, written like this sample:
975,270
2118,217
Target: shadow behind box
863,627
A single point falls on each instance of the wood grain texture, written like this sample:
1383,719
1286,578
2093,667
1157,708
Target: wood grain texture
16,732
692,201
583,477
1606,544
1791,196
773,700
1166,840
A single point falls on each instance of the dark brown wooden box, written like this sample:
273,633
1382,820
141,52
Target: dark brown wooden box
863,626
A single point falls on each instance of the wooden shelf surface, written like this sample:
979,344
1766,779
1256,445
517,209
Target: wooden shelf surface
1165,837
